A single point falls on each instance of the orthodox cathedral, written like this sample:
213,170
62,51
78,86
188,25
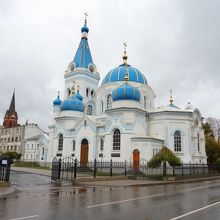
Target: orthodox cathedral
118,119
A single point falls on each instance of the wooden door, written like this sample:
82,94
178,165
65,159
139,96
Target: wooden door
136,159
84,152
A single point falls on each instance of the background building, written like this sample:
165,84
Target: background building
29,140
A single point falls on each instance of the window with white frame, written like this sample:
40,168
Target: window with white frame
145,102
102,107
109,101
74,145
116,139
60,143
102,144
198,142
89,110
177,141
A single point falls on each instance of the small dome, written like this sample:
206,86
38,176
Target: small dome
173,106
73,104
118,74
85,29
126,92
188,106
57,101
78,96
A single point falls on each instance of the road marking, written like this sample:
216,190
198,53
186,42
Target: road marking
196,210
146,197
199,187
126,200
31,216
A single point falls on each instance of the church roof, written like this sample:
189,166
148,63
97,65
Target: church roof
126,92
12,105
118,74
83,55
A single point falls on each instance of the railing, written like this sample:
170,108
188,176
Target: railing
69,169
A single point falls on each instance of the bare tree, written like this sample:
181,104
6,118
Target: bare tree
215,125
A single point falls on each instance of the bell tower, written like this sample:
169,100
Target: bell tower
82,72
11,117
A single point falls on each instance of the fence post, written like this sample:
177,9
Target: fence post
59,168
173,171
111,167
75,168
94,171
125,167
203,169
190,168
182,169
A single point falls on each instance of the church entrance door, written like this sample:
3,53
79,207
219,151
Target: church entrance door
136,159
84,152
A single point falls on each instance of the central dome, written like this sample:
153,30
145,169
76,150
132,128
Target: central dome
118,74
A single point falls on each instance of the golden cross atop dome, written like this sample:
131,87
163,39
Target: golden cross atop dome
171,97
125,47
125,57
86,15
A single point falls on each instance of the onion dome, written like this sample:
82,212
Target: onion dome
78,96
57,101
85,29
126,92
118,73
73,104
171,101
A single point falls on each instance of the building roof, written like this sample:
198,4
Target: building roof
119,73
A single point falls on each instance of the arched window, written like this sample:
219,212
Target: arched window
198,142
109,101
116,139
102,107
60,143
145,102
68,92
87,92
92,94
89,110
177,141
74,145
102,144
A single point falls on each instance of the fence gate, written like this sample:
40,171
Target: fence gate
67,168
56,166
63,168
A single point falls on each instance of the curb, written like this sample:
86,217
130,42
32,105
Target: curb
159,183
9,191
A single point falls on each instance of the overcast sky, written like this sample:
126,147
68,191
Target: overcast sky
175,44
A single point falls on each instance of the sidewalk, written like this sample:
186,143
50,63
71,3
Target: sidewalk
5,191
32,170
115,181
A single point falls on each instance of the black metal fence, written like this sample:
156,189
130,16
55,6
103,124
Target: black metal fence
69,169
5,167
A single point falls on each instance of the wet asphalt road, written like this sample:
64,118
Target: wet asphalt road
37,199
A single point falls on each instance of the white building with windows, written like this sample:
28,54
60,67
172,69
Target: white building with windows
35,144
118,119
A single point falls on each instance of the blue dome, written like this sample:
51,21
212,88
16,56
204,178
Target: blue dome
126,92
118,74
78,96
73,104
57,101
85,29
